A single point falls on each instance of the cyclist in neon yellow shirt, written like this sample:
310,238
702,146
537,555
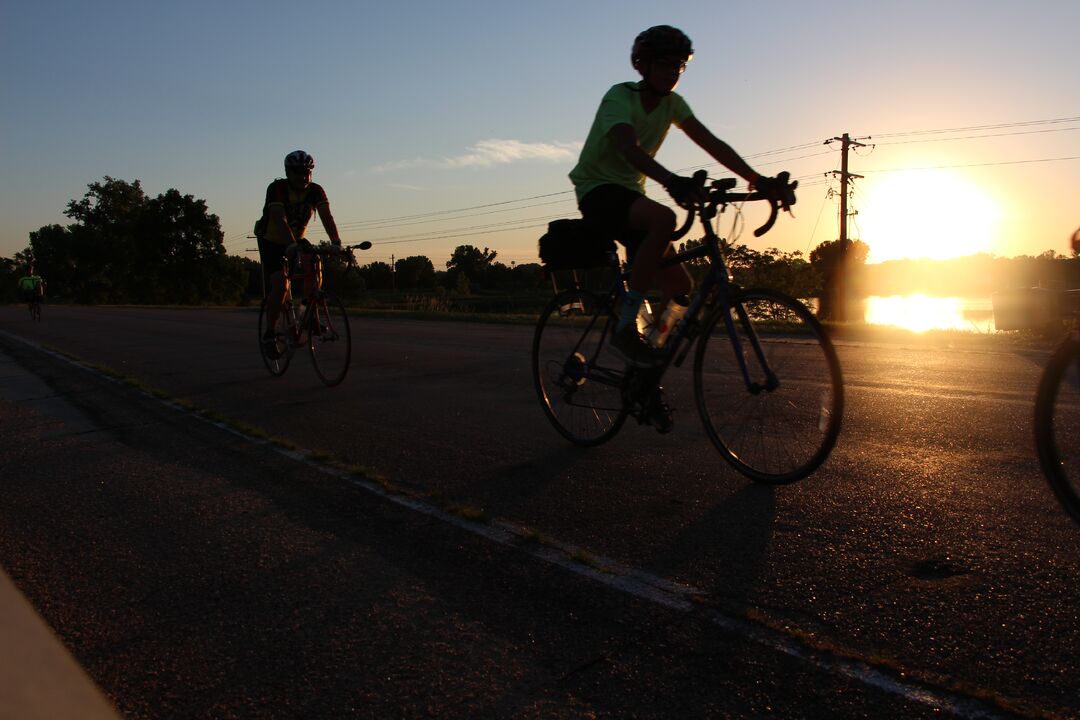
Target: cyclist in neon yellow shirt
31,285
609,179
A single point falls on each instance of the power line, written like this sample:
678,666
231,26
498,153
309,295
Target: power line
969,128
520,204
979,137
986,164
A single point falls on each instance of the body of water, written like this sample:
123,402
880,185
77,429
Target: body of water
920,313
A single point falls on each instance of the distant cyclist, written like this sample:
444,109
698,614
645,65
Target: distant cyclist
290,204
31,287
609,179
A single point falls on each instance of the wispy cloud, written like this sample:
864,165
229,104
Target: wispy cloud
488,153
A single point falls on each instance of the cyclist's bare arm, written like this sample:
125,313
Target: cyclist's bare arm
720,150
626,142
328,223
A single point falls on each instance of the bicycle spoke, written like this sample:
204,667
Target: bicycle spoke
276,356
578,380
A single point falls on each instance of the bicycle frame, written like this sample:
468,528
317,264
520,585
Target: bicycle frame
719,281
314,273
310,300
770,394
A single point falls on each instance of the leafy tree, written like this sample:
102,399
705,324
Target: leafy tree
471,262
834,268
186,241
414,272
528,276
126,247
788,272
377,276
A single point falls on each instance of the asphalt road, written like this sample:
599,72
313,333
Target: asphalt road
925,568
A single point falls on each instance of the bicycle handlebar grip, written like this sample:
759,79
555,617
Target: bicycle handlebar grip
774,207
785,200
699,177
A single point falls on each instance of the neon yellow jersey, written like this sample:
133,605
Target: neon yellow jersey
29,283
601,163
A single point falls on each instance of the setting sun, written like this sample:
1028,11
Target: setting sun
933,214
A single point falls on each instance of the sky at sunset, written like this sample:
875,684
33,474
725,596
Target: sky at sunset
440,124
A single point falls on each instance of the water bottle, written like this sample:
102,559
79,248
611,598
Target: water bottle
645,318
674,311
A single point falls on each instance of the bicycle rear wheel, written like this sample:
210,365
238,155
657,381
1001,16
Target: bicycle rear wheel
329,339
578,377
1057,425
777,422
276,357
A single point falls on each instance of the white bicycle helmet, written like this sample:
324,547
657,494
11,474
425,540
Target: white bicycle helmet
299,159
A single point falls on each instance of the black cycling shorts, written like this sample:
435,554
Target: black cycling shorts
606,209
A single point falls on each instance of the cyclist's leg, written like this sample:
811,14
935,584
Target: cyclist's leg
306,264
274,282
654,224
627,215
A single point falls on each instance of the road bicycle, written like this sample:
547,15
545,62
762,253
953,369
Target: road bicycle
1057,411
317,320
767,380
35,307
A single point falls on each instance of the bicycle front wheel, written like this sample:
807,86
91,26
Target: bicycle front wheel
768,386
276,355
578,377
329,339
1057,425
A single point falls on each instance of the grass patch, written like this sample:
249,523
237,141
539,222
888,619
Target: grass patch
284,443
363,472
585,558
249,430
319,455
533,536
468,512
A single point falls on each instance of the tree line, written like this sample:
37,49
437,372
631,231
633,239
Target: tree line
124,246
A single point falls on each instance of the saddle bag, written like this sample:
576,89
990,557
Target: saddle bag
570,244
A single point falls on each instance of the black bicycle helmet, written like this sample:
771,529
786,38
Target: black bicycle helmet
661,41
299,159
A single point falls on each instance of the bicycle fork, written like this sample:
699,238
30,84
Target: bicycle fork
754,387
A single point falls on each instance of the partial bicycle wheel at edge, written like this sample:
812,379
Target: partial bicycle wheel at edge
1057,425
330,340
775,429
578,378
275,357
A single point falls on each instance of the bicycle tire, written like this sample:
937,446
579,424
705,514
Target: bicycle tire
1057,425
578,377
772,432
282,348
329,339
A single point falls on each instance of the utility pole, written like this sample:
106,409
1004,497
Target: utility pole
839,294
393,274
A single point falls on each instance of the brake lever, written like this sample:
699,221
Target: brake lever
782,203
